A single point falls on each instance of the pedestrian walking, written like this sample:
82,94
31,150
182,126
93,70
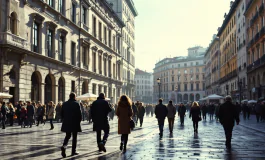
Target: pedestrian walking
211,110
30,113
99,112
171,116
141,113
82,111
58,110
18,111
135,112
3,114
245,110
217,112
124,112
40,113
204,111
195,114
228,115
71,123
258,111
181,113
161,113
23,116
51,113
11,113
238,108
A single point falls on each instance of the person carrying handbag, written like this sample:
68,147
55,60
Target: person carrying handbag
195,114
124,112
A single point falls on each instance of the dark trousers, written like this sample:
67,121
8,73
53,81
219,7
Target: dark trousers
105,137
39,119
161,125
51,123
228,134
4,122
182,119
195,125
30,119
258,117
11,120
141,120
204,116
211,116
124,139
248,115
171,124
74,141
244,115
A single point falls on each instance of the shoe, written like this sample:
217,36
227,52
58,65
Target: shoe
52,128
63,152
75,154
124,150
102,147
121,146
3,128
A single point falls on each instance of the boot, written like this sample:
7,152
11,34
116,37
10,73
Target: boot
124,149
121,146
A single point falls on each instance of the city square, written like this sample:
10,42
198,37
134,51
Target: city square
132,79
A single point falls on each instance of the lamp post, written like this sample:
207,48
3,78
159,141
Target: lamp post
159,85
227,87
176,90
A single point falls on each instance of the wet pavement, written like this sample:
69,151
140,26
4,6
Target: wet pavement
144,143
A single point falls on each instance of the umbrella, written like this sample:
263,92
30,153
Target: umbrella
107,99
214,96
87,97
5,95
245,100
252,101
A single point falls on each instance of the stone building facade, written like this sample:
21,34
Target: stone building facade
255,25
182,78
144,86
50,48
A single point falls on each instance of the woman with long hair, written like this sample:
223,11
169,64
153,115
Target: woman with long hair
51,113
124,113
195,113
11,113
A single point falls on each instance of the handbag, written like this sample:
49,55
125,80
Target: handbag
200,118
131,123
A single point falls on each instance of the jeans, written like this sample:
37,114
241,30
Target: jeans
51,123
105,137
195,125
228,134
171,124
141,120
182,119
124,139
74,142
161,125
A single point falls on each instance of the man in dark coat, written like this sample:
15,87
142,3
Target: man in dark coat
71,118
204,111
99,112
228,115
181,112
4,113
135,112
245,110
18,111
141,113
30,113
161,113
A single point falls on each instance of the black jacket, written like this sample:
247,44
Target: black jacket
71,116
135,111
161,111
195,113
99,112
30,110
182,110
228,113
141,111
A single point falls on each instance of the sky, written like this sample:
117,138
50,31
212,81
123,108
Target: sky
167,28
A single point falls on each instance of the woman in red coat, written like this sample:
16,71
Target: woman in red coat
23,116
124,113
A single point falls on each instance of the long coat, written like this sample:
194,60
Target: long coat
71,116
141,111
161,111
99,113
228,114
124,113
195,113
51,112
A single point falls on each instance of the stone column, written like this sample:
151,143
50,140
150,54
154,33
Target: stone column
42,94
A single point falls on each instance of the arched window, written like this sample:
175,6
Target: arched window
13,23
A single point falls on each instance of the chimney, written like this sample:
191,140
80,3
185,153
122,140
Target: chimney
231,3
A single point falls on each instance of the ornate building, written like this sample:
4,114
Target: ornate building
52,47
144,86
255,25
182,79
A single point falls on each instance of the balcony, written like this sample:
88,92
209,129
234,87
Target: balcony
9,38
256,37
256,64
262,31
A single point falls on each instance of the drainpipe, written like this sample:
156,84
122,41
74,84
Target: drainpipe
79,47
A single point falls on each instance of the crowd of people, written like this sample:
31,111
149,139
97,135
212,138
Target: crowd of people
129,115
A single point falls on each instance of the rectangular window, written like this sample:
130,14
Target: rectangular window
185,87
73,53
110,38
172,87
73,12
35,37
172,79
203,86
94,89
100,31
197,77
50,2
84,56
94,27
197,86
114,47
105,35
49,42
84,15
191,87
61,6
61,48
197,63
179,87
73,86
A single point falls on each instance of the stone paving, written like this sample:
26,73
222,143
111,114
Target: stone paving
144,143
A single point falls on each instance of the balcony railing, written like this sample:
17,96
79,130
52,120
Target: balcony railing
9,38
261,8
256,64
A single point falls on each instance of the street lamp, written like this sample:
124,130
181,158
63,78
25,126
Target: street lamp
159,85
227,87
176,90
